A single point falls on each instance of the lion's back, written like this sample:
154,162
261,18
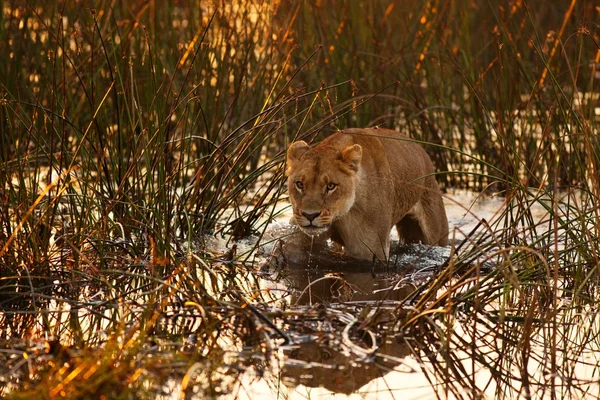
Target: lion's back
400,155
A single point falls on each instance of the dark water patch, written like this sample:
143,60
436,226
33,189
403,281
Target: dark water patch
343,346
325,361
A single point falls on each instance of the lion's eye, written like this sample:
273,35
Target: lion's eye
330,187
299,185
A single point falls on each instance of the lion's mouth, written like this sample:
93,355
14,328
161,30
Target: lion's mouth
312,230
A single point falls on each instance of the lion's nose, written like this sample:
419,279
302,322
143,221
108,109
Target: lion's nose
311,216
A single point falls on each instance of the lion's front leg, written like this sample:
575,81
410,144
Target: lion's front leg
363,239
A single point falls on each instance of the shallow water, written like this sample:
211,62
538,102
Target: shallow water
321,363
319,366
317,299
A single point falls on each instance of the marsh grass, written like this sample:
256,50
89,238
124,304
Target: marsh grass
130,130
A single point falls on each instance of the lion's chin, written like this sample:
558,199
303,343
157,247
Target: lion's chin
311,230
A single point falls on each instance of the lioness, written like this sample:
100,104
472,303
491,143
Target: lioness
357,184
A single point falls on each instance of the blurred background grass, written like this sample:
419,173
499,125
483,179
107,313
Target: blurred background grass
131,128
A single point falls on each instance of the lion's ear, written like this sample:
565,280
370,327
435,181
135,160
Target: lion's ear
352,155
295,153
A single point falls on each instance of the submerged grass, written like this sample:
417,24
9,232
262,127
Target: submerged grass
130,130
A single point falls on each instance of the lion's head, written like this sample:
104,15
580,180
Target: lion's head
321,183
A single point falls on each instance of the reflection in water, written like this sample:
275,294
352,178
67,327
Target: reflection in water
325,363
341,338
329,277
316,287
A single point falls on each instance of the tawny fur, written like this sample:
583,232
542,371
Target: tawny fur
356,185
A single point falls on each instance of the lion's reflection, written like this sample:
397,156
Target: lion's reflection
320,355
329,364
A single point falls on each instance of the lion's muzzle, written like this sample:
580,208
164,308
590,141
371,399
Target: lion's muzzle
312,222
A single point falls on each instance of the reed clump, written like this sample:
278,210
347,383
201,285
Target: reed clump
129,131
